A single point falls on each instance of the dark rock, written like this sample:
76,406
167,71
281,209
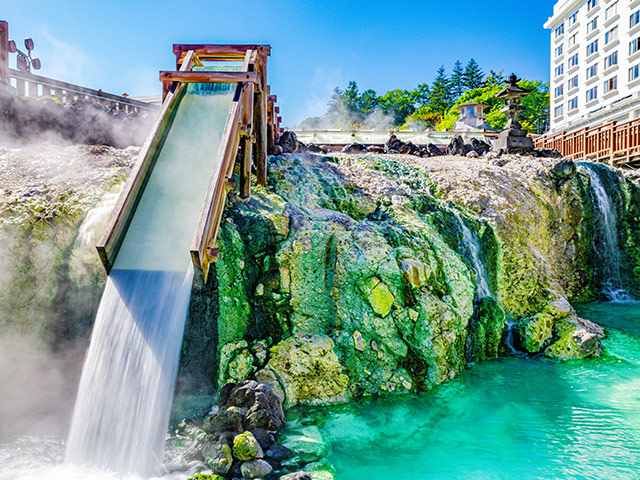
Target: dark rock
564,169
296,476
547,153
456,146
434,150
480,146
375,149
218,458
229,419
395,145
354,148
262,405
264,438
279,452
288,141
313,148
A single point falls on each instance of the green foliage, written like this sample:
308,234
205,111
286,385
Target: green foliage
431,105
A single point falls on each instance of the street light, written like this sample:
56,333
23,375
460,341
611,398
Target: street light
25,61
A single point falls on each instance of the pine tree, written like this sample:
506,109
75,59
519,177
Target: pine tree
367,102
457,80
421,94
494,78
350,97
473,76
440,97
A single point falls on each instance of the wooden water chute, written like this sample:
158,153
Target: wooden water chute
246,131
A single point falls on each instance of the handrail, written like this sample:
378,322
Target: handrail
122,214
70,88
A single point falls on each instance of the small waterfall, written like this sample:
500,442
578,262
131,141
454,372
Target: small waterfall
508,341
613,285
473,248
124,399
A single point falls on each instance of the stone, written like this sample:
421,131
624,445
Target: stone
229,420
268,378
354,148
262,406
358,341
535,332
205,476
186,428
480,146
218,458
414,271
296,476
307,445
260,351
241,367
472,154
264,438
322,470
309,371
255,469
246,447
434,150
379,296
288,141
279,452
456,146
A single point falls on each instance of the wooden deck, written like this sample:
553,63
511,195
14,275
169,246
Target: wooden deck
617,144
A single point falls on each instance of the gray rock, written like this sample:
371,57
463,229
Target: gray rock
227,420
262,405
296,476
278,452
255,469
218,458
354,147
288,141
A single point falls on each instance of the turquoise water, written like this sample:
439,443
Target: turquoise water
509,418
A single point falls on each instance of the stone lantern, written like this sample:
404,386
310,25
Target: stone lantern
513,136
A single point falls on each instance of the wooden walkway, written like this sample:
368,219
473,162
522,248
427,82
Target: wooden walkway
617,144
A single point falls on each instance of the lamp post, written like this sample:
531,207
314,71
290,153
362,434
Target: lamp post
25,61
513,137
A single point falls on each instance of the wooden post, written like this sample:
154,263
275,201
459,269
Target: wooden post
261,138
4,51
247,142
612,143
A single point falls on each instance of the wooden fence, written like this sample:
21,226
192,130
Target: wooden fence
617,144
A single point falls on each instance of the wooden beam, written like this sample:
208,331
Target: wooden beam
4,51
208,77
223,52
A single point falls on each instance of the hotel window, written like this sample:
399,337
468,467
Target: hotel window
559,51
558,111
560,30
559,90
611,11
592,94
592,71
611,35
573,103
573,83
591,4
573,18
611,84
559,69
634,46
592,25
572,40
634,19
634,73
611,60
592,47
573,61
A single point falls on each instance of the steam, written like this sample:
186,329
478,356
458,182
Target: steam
343,119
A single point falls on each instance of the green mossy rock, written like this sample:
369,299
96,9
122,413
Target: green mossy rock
307,445
218,458
309,370
322,470
246,447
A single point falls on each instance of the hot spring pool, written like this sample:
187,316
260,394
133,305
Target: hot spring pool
508,418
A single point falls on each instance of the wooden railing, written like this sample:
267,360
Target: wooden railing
30,85
247,130
617,144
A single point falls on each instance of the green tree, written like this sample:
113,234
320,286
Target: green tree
368,102
399,103
421,94
440,98
473,76
457,80
494,78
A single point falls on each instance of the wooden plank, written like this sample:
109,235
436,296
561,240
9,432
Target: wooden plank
4,51
208,51
114,231
208,77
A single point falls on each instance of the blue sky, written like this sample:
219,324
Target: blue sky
119,46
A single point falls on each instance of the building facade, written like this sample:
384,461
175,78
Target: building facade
595,63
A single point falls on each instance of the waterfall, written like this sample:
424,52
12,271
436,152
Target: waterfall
473,248
125,394
612,284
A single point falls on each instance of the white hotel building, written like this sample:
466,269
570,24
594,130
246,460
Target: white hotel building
595,63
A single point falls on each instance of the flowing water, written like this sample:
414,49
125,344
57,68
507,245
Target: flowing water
613,285
473,248
511,418
122,410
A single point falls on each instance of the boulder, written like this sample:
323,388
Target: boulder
563,171
322,470
263,408
480,146
354,148
279,452
535,333
246,447
288,141
218,458
255,469
307,445
227,420
434,150
296,476
456,146
268,378
264,438
309,370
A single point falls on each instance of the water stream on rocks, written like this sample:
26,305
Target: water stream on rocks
613,286
472,246
124,399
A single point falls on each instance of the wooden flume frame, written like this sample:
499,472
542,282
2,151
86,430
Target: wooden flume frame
252,128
